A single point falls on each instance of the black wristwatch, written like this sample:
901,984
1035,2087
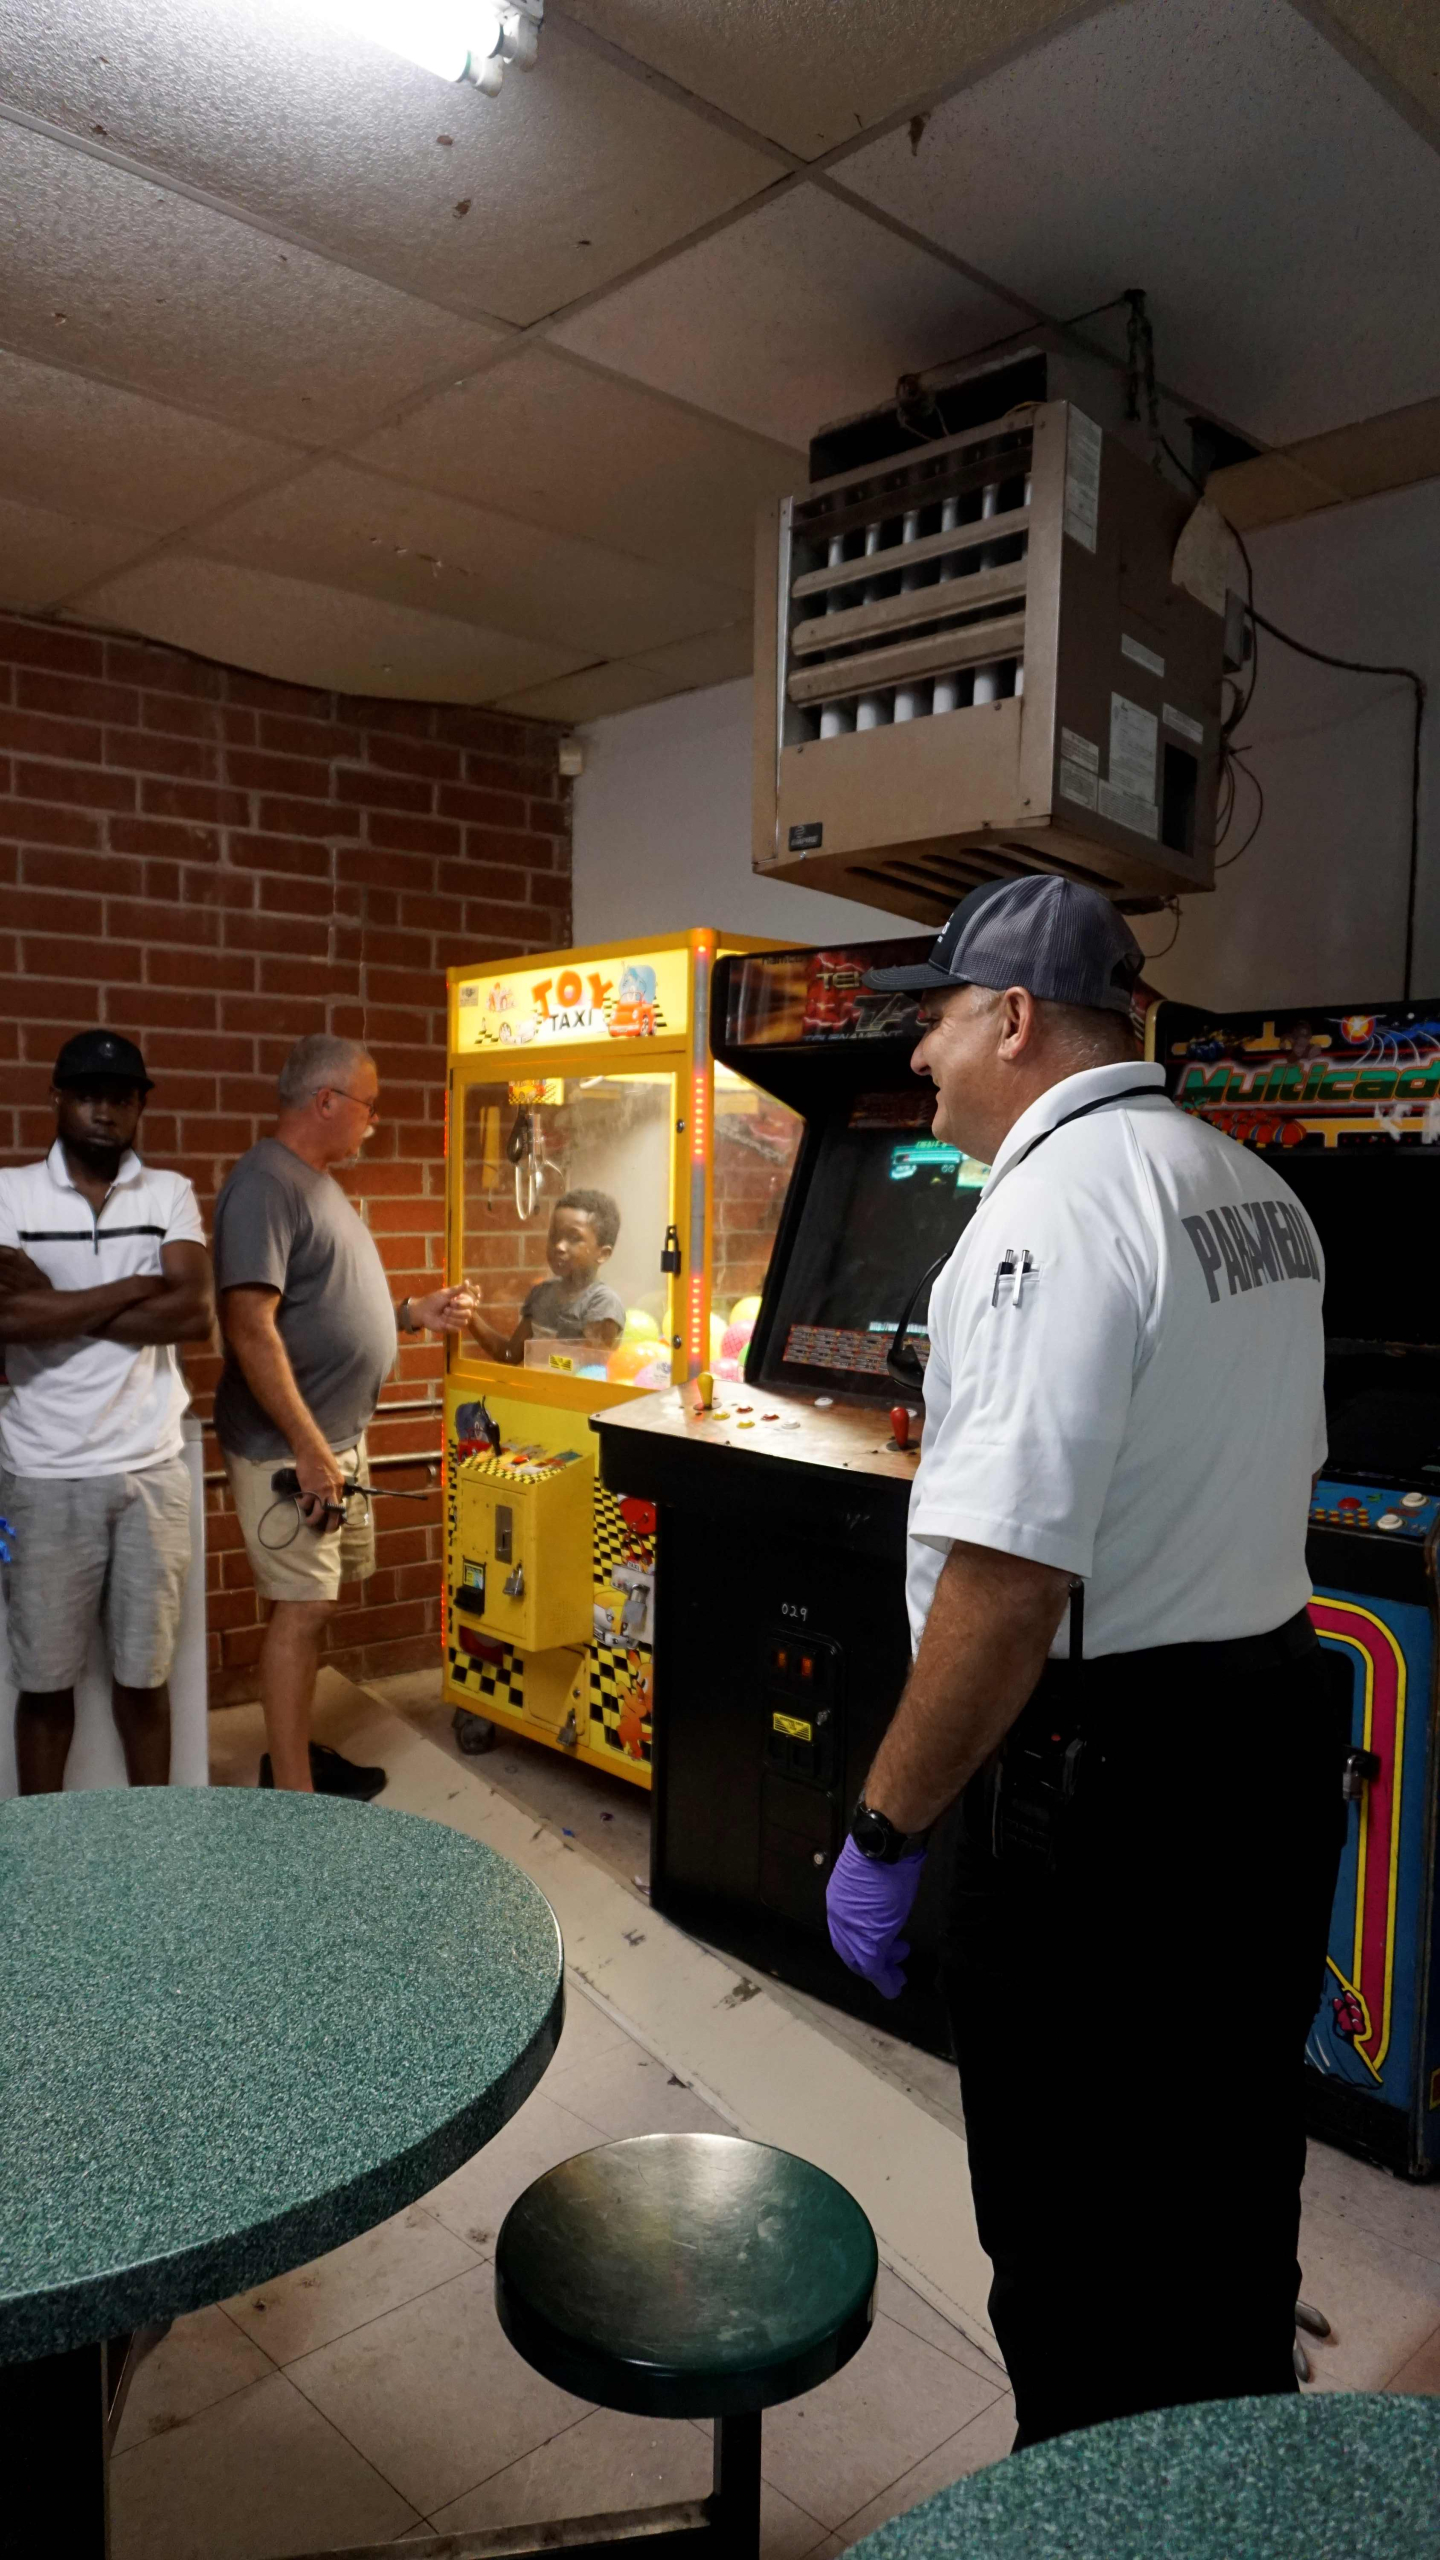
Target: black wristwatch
877,1839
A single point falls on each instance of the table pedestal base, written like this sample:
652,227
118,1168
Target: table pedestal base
59,2417
54,2451
724,2526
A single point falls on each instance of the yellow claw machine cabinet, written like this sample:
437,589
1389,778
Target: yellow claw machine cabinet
612,1196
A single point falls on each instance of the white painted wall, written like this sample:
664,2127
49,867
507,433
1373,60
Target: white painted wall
1313,913
662,832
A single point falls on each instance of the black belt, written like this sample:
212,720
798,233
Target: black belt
1231,1653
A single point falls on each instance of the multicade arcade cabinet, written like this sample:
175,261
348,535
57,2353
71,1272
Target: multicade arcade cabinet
585,1071
781,1638
1348,1100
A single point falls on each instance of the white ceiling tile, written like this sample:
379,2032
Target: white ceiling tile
1281,217
359,530
43,555
798,314
62,435
316,635
574,173
1402,38
712,657
812,72
591,695
161,293
558,444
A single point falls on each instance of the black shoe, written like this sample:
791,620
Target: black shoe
330,1775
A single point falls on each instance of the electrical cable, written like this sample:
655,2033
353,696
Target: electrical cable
1349,666
1175,908
1237,764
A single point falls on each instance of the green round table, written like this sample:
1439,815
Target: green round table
238,2027
1338,2475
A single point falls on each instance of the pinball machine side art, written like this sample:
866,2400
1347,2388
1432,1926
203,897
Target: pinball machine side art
1365,2028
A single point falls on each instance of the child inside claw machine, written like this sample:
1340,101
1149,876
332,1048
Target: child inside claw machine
612,1200
574,1305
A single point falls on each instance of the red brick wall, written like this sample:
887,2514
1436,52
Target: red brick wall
216,865
754,1158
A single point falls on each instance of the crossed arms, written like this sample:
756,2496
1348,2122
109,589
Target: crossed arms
177,1304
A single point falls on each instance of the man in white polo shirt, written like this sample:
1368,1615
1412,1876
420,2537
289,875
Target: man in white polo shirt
103,1269
1115,1684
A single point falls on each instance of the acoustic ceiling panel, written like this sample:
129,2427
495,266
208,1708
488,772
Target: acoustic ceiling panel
513,205
712,657
307,634
1401,38
44,554
812,73
798,313
1282,218
592,694
358,530
126,280
559,444
65,440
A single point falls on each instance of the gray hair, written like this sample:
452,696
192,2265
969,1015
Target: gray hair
316,1061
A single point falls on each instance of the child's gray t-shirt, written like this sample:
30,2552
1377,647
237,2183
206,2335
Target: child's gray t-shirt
549,1310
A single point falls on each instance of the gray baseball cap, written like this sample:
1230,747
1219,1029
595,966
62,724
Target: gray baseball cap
1066,943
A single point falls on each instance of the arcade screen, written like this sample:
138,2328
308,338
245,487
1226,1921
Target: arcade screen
885,1200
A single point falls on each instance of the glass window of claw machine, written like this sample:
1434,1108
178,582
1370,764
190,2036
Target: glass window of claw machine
599,1173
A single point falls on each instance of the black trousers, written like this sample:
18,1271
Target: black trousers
1137,1912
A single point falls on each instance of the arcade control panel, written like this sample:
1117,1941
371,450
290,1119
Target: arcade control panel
1380,1508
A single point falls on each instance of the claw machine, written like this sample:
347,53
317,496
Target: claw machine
612,1194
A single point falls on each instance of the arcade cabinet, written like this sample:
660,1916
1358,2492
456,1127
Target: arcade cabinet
1348,1100
585,1071
781,1640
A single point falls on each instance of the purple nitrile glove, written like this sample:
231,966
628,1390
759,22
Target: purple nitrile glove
867,1906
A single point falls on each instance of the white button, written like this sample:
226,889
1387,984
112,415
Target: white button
1412,1501
1389,1520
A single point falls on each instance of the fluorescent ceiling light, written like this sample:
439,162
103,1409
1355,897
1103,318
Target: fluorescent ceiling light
456,39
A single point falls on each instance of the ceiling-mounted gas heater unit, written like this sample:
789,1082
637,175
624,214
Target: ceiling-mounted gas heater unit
972,662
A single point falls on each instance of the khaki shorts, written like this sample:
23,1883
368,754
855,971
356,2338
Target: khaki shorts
113,1547
289,1559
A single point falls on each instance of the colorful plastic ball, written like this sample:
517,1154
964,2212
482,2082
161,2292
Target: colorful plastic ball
745,1311
639,1327
627,1359
729,1369
657,1374
736,1337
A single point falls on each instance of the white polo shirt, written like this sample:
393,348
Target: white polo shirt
1126,1372
88,1406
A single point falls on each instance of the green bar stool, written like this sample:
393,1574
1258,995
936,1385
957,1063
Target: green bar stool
685,2275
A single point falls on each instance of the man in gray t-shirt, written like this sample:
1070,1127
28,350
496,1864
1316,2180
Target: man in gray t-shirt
310,1337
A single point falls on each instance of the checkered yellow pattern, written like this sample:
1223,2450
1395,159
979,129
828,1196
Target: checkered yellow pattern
500,1683
616,1671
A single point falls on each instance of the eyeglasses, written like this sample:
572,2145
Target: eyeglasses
370,1109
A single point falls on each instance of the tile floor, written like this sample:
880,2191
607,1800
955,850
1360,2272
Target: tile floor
373,2393
374,2390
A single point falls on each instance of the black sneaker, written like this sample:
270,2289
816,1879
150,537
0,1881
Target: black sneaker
330,1775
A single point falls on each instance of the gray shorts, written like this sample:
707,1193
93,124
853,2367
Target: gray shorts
114,1547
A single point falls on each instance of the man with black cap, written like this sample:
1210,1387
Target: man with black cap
1115,1684
103,1269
